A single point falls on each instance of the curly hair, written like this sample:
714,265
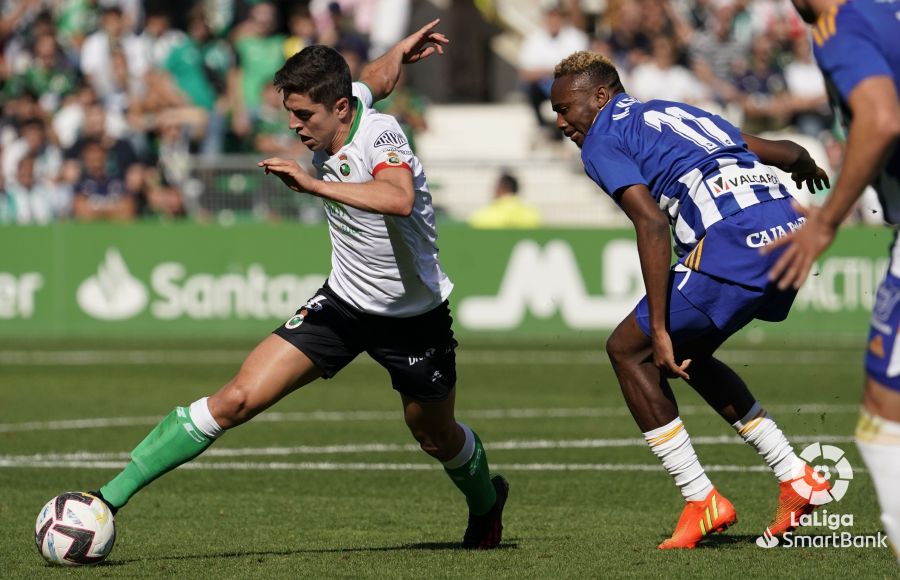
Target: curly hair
597,69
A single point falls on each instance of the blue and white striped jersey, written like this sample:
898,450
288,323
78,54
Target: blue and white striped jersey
695,164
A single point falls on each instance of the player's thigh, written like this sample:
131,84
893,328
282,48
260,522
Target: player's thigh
883,352
689,327
272,370
327,330
418,352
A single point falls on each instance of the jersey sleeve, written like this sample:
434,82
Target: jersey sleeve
387,146
362,92
610,166
846,50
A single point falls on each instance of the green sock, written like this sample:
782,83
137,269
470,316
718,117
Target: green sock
473,478
175,440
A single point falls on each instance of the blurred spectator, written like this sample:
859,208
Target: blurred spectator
540,53
33,142
302,31
622,28
113,59
713,52
260,52
762,90
217,60
271,135
661,77
121,157
29,201
100,194
163,201
47,74
159,38
806,87
507,210
470,59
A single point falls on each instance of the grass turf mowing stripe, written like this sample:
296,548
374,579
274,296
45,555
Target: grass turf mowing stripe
514,445
345,416
471,357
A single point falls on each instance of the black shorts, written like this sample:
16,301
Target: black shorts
418,352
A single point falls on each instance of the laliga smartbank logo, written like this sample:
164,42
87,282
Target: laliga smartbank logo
827,482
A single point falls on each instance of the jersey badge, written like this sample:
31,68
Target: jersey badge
391,138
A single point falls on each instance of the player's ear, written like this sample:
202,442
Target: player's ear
342,107
602,96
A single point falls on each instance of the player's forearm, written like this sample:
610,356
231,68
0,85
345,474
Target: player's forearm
655,253
373,196
381,75
783,154
868,142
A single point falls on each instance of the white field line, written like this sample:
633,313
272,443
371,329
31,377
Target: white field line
471,357
348,416
372,448
355,466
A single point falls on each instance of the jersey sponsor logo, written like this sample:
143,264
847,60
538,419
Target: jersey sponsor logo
390,138
765,237
728,181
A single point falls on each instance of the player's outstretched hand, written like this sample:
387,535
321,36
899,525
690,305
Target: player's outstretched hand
423,43
664,358
802,248
806,171
289,172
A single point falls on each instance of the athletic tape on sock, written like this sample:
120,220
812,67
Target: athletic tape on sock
203,419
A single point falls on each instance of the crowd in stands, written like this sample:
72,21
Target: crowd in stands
748,60
104,102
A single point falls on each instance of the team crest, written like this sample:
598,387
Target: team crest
294,322
393,158
345,167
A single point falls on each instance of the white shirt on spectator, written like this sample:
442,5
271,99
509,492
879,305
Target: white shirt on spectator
540,51
96,60
648,81
804,79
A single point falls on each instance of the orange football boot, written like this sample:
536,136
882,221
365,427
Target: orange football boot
699,519
794,500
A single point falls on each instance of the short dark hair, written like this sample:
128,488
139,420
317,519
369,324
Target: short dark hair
318,72
509,182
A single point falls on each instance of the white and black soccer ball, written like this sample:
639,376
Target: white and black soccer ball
75,529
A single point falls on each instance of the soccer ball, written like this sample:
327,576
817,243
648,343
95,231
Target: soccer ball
75,529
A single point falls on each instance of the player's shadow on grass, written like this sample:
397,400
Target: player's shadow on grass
430,546
725,540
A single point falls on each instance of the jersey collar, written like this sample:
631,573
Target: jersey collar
603,119
355,125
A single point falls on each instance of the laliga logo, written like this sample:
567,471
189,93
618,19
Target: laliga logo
829,479
827,482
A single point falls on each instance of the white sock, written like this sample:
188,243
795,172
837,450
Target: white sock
203,419
878,440
673,447
759,430
465,454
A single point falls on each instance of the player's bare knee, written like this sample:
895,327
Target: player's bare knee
616,350
436,442
230,406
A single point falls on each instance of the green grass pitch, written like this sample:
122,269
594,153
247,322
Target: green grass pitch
328,483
